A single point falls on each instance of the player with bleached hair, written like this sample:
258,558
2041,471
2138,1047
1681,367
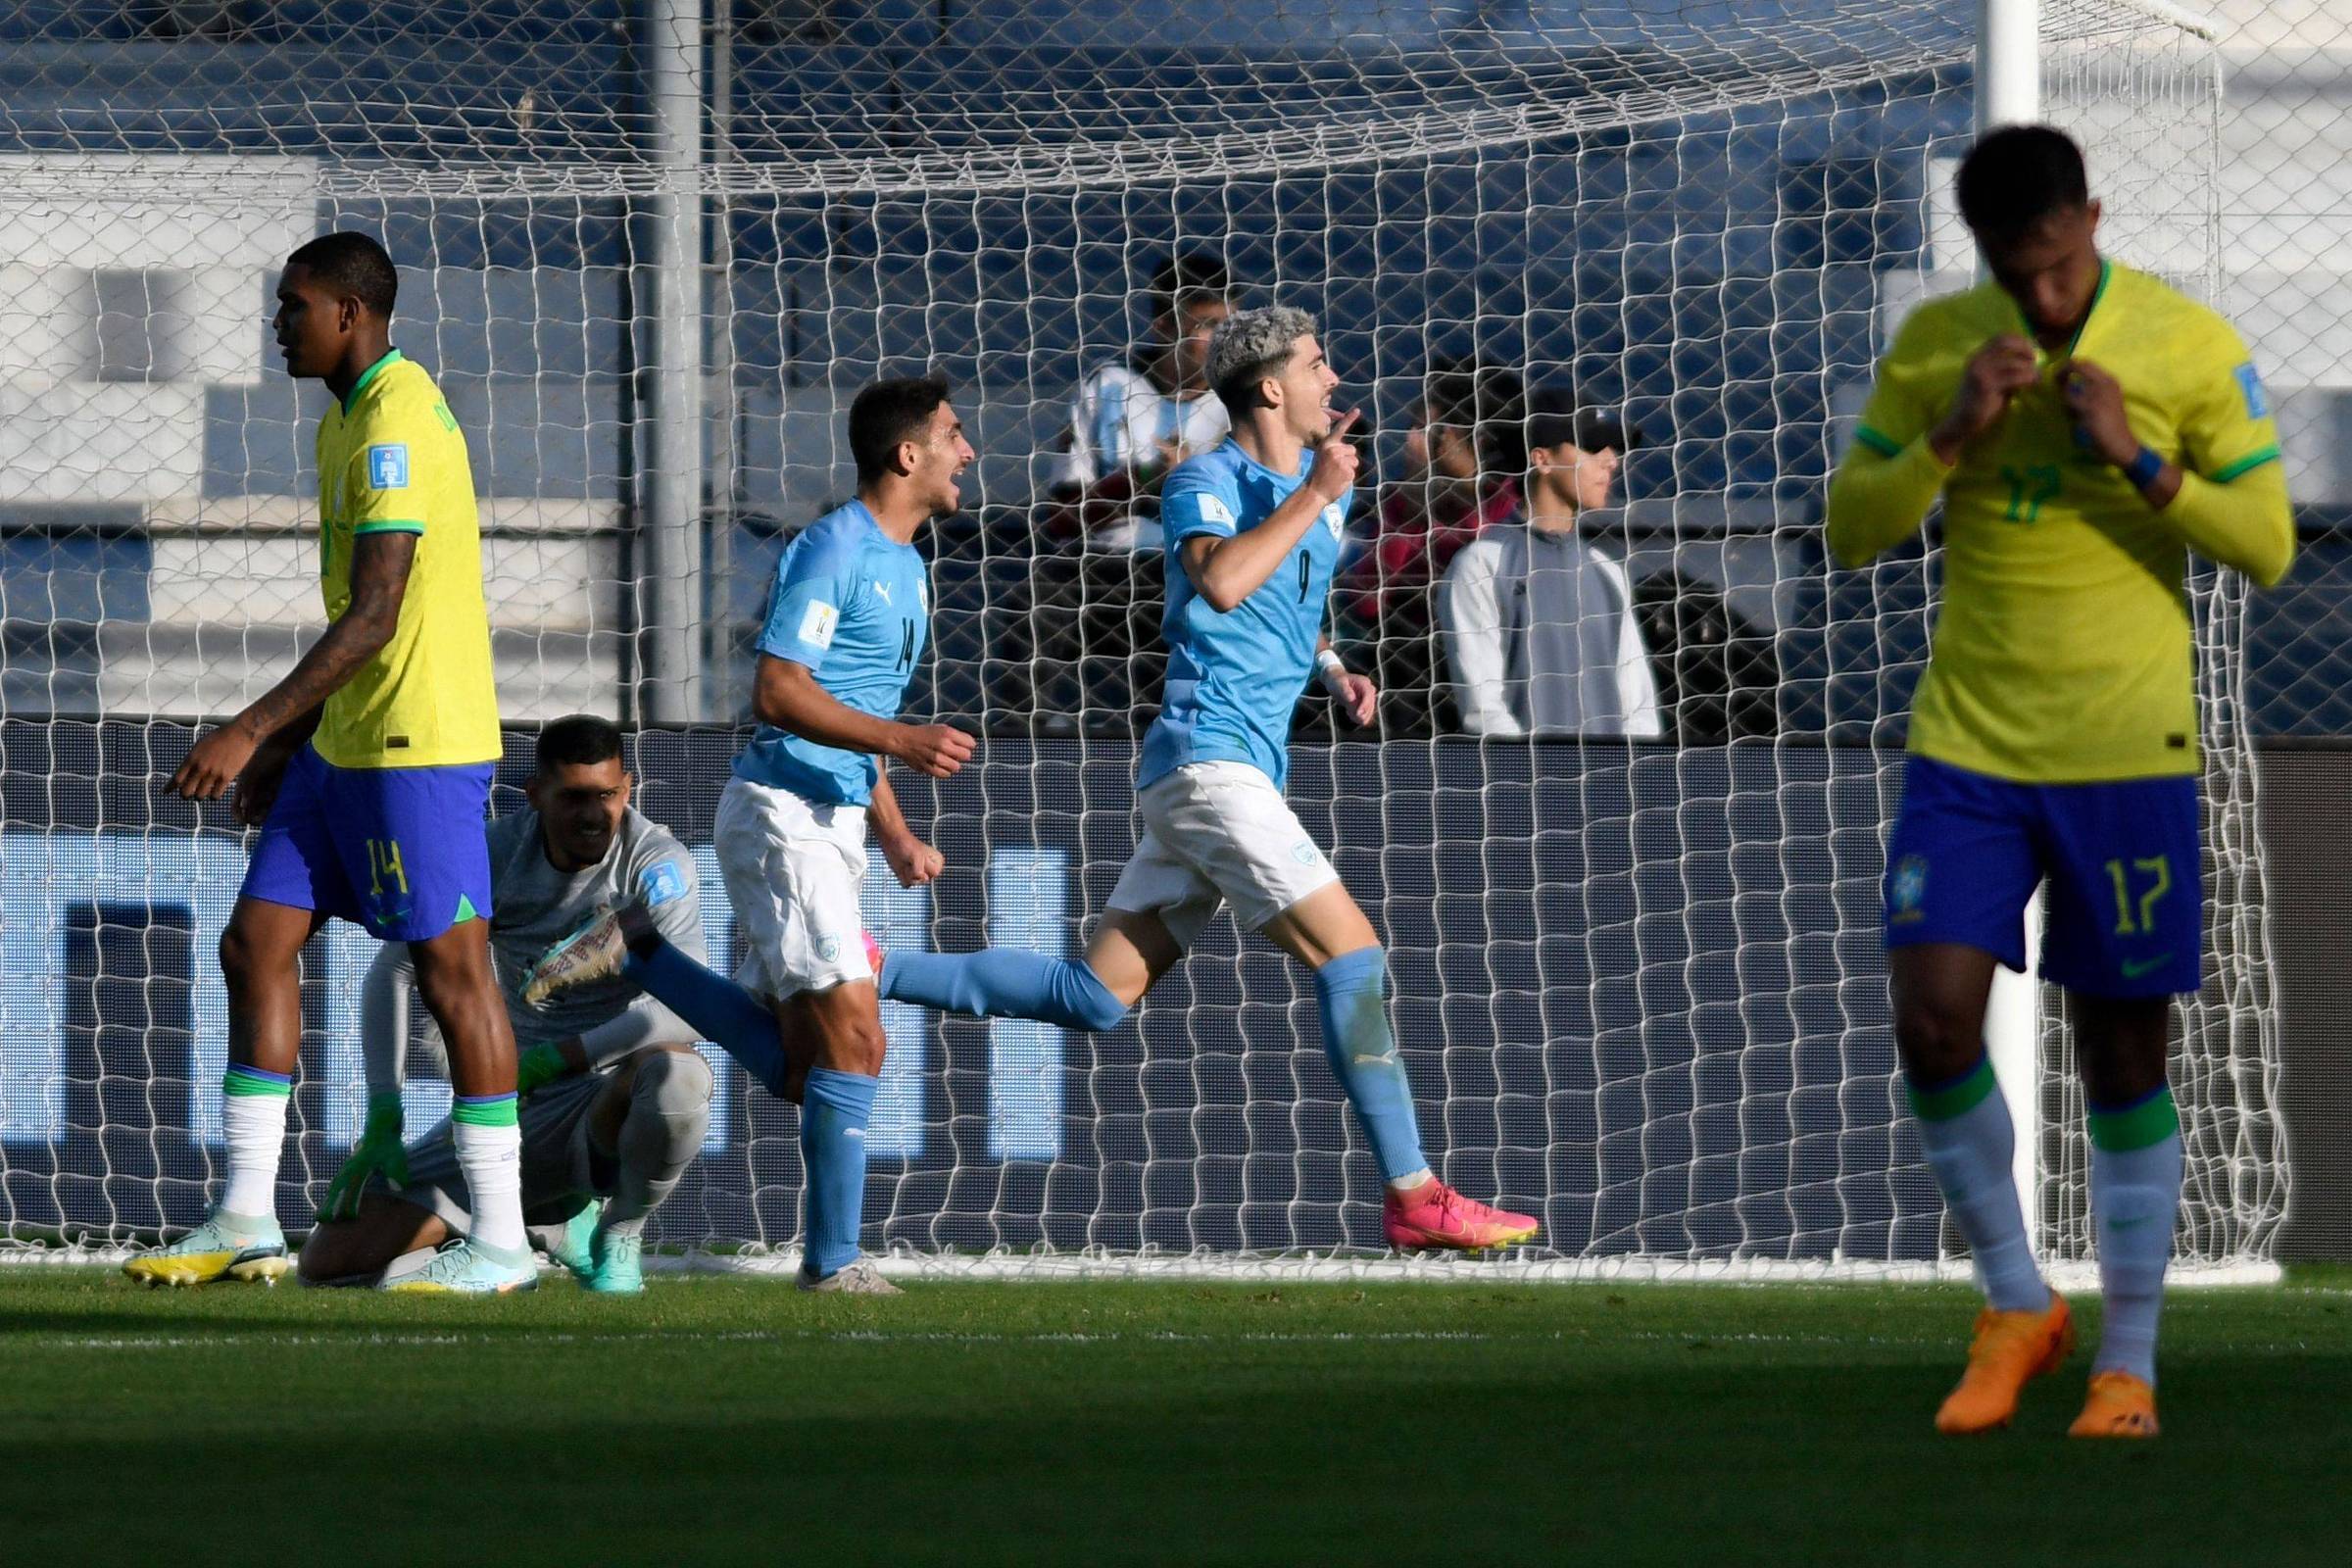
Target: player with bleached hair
1252,531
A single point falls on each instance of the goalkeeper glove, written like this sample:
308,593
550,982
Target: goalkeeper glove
542,1064
379,1149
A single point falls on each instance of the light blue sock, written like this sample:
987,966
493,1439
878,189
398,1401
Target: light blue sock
834,1111
1351,991
1964,1125
2134,1201
727,1014
1004,983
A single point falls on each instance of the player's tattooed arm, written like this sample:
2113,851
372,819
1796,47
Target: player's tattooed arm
379,581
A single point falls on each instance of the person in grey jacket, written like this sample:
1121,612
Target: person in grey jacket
1541,634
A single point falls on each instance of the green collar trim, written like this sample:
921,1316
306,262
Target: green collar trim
2016,311
351,397
2106,272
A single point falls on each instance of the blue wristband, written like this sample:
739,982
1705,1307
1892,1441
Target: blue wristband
2144,470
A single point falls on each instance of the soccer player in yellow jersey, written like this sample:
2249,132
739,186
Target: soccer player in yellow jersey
2087,427
368,769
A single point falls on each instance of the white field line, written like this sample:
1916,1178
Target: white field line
1313,1269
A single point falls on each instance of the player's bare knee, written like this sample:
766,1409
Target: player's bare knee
242,958
855,1047
1935,1039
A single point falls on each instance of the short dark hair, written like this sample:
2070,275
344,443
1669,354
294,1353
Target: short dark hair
1555,414
1188,277
2018,175
1481,399
353,265
579,740
887,413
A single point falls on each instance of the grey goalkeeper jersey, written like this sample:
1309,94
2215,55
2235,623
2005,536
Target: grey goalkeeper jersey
535,907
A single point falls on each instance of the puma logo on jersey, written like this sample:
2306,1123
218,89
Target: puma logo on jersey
883,589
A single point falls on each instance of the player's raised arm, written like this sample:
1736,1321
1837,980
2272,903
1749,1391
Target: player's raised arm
2227,501
1269,369
1229,570
1899,463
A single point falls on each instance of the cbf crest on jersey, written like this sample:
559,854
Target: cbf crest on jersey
1907,888
388,467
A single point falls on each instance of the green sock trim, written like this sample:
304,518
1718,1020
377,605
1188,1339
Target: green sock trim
2152,1121
1953,1099
489,1110
239,1080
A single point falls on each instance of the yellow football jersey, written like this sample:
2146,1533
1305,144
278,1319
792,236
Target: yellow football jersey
391,459
2062,651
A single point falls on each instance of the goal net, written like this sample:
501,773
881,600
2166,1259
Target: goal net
650,253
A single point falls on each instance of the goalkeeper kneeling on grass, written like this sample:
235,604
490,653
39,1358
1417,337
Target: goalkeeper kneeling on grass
614,1098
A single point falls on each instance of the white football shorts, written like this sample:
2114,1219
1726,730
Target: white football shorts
793,871
1218,833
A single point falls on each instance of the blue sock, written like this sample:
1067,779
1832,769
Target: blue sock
727,1014
1004,983
1965,1128
1351,991
834,1112
2134,1200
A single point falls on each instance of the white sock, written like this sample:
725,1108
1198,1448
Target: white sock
253,1125
2134,1200
492,1160
1970,1147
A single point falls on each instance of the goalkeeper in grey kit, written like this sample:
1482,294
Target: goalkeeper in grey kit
614,1098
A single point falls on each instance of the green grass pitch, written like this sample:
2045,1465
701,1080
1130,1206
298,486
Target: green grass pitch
729,1420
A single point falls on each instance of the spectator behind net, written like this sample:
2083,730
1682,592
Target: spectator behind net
1457,487
1131,422
1541,634
1082,647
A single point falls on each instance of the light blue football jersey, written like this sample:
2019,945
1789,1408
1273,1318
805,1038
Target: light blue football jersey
855,605
1235,677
